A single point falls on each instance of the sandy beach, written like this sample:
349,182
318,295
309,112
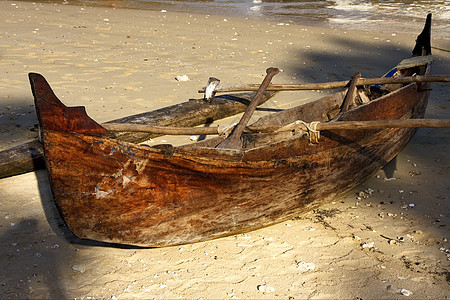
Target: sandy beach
386,239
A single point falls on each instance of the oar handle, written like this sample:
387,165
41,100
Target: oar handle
233,141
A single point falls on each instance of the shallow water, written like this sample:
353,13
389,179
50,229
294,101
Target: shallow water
372,15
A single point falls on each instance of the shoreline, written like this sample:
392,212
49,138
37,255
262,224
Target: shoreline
375,19
121,62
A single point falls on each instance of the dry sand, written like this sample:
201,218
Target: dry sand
386,239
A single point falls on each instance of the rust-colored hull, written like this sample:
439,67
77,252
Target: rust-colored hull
113,191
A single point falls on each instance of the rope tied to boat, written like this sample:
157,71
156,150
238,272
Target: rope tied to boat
311,128
314,134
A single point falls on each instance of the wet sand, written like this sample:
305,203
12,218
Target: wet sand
385,239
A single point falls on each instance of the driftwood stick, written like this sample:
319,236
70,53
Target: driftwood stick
381,124
357,125
331,85
344,125
233,141
161,130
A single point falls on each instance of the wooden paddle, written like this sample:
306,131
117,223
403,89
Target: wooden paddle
332,84
233,141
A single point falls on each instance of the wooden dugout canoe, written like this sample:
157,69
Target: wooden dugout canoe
113,191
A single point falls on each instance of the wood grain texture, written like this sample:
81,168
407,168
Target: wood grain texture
113,191
29,156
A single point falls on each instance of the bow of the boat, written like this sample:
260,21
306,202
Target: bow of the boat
54,115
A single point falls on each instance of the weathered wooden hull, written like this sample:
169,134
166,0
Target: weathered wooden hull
116,192
113,191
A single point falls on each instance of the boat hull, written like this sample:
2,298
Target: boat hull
112,191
